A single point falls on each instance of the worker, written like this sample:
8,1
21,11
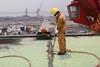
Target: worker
96,26
61,28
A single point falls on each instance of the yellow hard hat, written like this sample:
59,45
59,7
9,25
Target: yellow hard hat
54,11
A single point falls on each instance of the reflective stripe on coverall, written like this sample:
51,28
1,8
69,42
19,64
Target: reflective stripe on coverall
61,27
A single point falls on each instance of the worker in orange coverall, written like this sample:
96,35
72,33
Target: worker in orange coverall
61,28
96,26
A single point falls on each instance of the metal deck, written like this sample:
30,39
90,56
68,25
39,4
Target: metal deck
36,53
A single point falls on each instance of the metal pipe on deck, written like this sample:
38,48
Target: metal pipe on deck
50,54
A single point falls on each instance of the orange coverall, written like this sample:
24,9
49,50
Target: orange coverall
96,26
61,27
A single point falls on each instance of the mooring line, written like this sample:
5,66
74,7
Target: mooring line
18,57
84,52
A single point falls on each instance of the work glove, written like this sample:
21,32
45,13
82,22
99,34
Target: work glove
56,31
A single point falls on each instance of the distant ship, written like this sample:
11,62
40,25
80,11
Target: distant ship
21,18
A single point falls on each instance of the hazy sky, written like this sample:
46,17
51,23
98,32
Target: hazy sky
32,5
